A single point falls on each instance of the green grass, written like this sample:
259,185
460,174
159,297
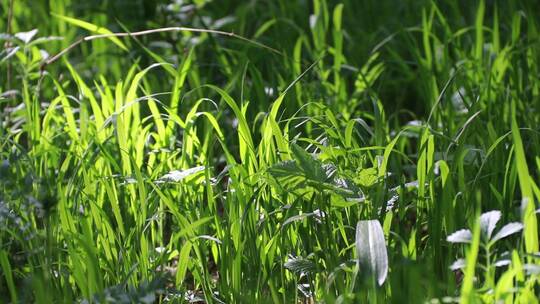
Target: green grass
328,151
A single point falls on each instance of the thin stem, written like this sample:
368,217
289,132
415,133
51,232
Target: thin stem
8,43
154,31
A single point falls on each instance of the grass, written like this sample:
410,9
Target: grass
327,151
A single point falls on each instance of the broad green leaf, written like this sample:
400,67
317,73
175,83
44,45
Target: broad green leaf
299,265
309,165
366,177
284,169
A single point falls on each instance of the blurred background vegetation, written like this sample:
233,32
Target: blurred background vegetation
390,27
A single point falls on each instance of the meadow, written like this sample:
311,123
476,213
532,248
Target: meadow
313,151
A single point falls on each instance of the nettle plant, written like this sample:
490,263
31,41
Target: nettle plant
330,192
497,285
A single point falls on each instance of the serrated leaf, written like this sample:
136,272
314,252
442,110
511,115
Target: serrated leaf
347,187
284,169
366,177
371,250
330,171
488,221
507,230
460,236
311,167
299,265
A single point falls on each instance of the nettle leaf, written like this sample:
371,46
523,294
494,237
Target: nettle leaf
347,185
299,265
366,177
507,230
330,171
284,169
311,167
286,175
460,236
488,221
371,250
